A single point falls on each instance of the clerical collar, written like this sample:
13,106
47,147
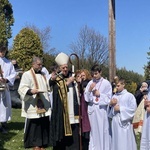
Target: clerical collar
38,72
121,92
96,80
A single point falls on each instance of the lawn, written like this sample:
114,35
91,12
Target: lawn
14,139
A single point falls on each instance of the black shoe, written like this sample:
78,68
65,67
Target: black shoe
4,125
3,130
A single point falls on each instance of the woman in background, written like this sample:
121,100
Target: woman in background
83,77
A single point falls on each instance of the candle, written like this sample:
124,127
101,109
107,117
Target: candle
72,68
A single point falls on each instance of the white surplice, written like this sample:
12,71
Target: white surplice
97,111
123,137
5,100
29,102
145,138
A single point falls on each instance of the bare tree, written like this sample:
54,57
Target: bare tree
45,36
91,47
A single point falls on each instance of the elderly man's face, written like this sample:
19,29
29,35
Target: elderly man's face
64,69
37,65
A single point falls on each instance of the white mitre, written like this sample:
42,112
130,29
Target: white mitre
62,59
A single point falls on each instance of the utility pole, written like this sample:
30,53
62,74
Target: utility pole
112,40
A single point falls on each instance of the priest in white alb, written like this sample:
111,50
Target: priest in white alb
33,90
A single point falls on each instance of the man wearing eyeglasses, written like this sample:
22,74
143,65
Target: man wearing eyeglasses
33,90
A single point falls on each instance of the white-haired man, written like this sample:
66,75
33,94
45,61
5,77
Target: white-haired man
65,114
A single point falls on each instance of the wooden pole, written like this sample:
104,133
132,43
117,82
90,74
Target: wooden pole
80,131
112,40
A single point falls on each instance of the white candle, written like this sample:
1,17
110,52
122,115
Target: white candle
73,68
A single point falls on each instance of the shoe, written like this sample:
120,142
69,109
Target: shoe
3,130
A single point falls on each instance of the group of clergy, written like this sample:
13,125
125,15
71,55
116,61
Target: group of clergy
51,102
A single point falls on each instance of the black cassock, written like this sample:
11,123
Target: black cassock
57,135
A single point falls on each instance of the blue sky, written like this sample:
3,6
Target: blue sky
67,17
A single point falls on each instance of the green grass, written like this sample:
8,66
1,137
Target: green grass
138,141
13,140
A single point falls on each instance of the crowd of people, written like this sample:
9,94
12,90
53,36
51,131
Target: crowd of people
81,111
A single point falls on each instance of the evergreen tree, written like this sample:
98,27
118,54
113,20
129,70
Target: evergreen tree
147,68
26,45
6,21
